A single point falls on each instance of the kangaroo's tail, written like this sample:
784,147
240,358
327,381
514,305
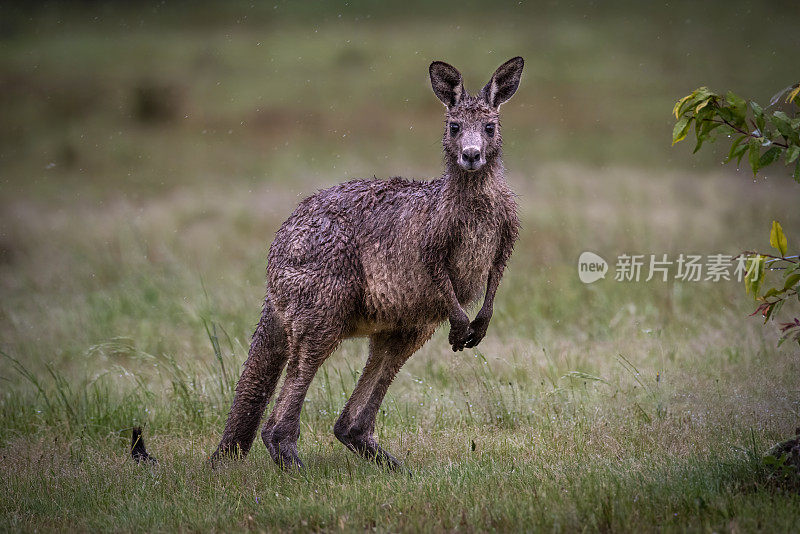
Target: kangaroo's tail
138,451
269,351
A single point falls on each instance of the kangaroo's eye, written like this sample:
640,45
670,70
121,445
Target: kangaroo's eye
490,129
454,128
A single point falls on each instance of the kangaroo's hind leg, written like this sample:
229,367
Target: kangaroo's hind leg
267,357
387,353
308,350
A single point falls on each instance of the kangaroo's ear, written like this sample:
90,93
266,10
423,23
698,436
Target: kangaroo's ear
446,83
504,82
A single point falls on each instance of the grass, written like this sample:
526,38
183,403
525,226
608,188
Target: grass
131,271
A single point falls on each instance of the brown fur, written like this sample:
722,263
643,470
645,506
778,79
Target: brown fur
390,260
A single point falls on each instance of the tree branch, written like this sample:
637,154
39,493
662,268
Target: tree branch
748,134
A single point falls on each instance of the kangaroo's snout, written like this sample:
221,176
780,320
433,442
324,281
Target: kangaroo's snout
471,159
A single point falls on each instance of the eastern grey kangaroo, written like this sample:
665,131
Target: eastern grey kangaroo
389,260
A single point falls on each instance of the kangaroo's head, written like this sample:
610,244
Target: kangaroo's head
472,130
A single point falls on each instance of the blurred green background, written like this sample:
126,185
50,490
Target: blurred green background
149,151
116,98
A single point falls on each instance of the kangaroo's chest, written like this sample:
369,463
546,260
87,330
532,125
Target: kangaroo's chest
474,247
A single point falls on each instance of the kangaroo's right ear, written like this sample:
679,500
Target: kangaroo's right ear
446,83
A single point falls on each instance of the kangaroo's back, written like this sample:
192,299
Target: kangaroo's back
359,242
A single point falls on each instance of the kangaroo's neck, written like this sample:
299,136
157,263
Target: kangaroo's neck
456,182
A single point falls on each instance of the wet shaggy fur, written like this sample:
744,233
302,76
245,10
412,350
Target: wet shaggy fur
389,260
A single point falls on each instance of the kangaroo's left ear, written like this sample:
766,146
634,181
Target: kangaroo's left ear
504,82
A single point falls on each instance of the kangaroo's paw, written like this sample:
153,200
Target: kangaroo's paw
282,450
285,455
369,449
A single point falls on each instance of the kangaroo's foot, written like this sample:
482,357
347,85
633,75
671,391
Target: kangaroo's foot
367,447
285,455
282,449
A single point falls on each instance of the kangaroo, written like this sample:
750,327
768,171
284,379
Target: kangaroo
389,260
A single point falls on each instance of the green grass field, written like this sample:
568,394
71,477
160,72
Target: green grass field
148,154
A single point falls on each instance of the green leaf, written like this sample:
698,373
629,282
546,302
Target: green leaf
796,175
754,275
703,126
691,101
791,153
772,292
678,104
754,155
791,281
735,110
708,127
703,103
737,148
783,123
740,155
772,310
727,114
769,157
758,113
777,239
735,100
681,129
775,308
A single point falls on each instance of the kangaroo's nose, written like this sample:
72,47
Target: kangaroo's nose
471,155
